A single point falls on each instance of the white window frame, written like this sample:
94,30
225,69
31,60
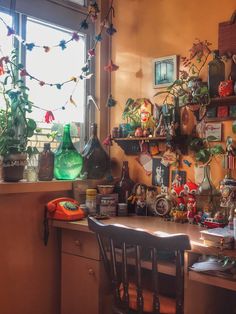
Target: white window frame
63,15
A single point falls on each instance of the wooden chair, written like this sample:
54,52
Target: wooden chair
130,296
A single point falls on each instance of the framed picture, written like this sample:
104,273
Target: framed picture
213,132
164,71
178,178
160,173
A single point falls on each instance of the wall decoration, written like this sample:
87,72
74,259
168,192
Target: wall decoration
164,71
160,173
213,132
178,178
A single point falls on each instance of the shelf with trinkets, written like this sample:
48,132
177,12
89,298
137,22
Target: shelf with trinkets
221,109
131,145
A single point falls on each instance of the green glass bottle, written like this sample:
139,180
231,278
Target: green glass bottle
68,161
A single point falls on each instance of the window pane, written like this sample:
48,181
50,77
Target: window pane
6,42
55,66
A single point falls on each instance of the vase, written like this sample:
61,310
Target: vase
68,161
13,167
206,187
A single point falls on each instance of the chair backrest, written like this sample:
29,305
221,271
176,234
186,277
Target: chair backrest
116,242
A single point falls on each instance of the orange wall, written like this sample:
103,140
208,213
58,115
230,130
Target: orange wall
148,29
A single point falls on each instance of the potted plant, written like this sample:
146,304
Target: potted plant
15,126
189,88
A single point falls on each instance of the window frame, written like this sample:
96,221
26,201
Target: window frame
71,20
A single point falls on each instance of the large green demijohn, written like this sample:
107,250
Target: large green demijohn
68,161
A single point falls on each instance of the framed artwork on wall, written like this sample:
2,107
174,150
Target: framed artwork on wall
164,71
160,173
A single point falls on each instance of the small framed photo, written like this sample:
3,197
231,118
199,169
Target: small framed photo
160,173
213,132
164,71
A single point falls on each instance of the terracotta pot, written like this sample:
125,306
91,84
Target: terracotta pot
13,167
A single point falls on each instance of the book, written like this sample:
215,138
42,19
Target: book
221,244
217,234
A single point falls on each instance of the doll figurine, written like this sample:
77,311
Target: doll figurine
178,193
191,190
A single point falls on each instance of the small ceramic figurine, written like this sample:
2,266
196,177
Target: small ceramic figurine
151,195
191,190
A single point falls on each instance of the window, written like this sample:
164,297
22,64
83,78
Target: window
56,67
44,25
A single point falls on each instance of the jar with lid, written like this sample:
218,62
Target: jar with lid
91,204
46,163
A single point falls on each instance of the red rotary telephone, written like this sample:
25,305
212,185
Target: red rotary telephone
63,208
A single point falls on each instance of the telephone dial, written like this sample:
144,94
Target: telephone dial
63,208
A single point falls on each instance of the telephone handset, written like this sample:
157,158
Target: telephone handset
63,208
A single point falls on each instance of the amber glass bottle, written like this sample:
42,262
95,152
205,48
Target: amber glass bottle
46,164
125,186
96,159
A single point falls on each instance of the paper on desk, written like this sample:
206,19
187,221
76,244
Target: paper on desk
210,263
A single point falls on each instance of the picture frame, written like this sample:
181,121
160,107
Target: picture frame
164,71
213,132
160,173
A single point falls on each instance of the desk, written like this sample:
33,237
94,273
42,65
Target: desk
203,294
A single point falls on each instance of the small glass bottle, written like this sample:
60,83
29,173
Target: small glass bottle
125,186
68,161
216,74
46,164
96,159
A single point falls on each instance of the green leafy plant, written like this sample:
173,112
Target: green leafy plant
15,127
203,151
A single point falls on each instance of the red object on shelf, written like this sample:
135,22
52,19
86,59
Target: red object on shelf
222,111
212,223
226,88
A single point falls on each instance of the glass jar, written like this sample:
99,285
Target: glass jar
68,161
91,204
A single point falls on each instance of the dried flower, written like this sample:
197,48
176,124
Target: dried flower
49,117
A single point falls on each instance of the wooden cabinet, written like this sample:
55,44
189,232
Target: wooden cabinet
204,293
84,287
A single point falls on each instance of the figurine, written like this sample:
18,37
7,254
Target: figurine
179,214
191,190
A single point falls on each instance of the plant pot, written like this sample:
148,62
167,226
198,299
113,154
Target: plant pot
13,167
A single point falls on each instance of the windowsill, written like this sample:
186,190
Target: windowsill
39,186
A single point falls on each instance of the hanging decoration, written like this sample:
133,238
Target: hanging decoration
92,14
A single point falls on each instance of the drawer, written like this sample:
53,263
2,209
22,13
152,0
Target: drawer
80,243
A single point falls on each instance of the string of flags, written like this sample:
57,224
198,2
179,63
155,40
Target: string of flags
93,11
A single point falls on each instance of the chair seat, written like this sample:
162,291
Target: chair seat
168,305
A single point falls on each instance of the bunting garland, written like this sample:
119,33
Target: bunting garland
93,11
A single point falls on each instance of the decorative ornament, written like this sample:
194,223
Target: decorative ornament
49,117
110,67
107,141
111,30
111,102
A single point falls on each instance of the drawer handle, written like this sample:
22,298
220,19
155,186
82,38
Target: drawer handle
91,272
77,243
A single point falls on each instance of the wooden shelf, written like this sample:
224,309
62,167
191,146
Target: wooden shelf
212,280
130,145
230,100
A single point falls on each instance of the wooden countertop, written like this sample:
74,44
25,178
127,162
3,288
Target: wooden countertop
152,224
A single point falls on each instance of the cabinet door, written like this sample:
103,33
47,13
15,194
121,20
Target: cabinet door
79,285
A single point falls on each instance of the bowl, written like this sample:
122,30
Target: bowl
105,189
